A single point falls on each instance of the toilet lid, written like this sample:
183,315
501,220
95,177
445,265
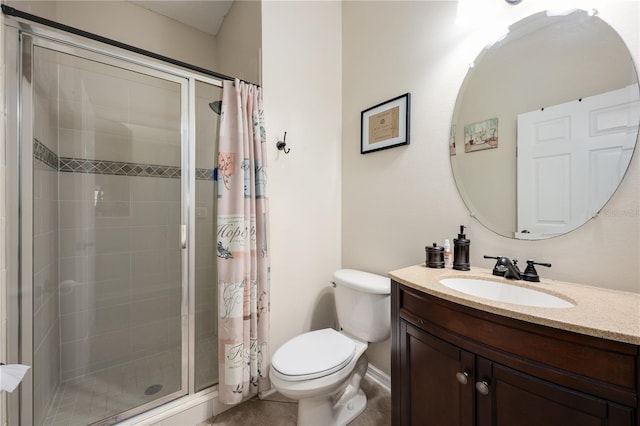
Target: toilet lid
313,354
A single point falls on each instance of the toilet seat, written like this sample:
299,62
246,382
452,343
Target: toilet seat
312,355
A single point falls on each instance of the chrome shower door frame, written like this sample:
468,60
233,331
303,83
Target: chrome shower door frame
12,196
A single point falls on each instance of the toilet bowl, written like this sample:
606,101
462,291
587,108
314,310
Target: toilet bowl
322,369
328,391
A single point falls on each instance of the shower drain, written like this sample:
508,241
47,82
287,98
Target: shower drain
153,389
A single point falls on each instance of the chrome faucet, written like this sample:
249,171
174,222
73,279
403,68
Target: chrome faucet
504,267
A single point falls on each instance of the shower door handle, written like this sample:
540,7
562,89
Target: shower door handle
183,236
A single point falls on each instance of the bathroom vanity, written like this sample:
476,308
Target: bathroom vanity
464,360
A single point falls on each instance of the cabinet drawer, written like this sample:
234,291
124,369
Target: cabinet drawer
596,366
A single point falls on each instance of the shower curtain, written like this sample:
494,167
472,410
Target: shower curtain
242,245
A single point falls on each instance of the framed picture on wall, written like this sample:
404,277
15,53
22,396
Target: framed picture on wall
481,135
385,125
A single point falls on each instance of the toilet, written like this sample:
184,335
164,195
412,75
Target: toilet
322,369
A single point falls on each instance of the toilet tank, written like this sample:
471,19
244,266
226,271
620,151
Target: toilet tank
363,304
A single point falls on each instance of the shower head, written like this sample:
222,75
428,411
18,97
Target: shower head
216,106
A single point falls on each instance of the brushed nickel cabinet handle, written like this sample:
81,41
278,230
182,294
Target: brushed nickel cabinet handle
462,377
482,387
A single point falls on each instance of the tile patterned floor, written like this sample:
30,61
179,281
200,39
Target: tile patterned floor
277,410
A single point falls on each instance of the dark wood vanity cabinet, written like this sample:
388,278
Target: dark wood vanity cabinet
455,365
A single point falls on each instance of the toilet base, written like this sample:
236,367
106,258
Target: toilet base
336,409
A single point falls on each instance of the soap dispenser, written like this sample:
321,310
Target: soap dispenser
461,251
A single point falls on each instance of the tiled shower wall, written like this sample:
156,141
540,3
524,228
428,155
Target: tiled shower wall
120,294
46,326
120,257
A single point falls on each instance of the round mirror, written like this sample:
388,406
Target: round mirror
545,125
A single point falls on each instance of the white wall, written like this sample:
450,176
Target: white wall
238,41
397,201
301,43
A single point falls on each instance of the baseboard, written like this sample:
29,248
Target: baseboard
379,376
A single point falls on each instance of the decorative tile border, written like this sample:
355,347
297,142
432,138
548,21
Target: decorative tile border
44,154
120,168
80,165
204,174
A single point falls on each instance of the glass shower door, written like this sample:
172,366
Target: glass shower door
207,115
108,282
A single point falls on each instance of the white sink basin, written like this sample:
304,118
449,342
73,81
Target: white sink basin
507,293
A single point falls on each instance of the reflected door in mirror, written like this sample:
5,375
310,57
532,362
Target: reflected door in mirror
571,158
546,59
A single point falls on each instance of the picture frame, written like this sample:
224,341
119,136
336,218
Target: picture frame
385,125
481,135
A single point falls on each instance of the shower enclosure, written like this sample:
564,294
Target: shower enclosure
111,227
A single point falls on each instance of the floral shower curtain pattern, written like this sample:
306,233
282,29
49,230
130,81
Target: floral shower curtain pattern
242,245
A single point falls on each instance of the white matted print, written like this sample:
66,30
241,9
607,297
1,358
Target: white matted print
385,125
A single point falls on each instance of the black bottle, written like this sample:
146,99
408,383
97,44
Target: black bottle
461,251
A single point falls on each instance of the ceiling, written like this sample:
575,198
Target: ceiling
205,15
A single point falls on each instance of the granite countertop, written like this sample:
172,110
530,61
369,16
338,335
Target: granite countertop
598,312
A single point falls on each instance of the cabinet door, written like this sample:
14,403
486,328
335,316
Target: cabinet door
433,375
515,398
